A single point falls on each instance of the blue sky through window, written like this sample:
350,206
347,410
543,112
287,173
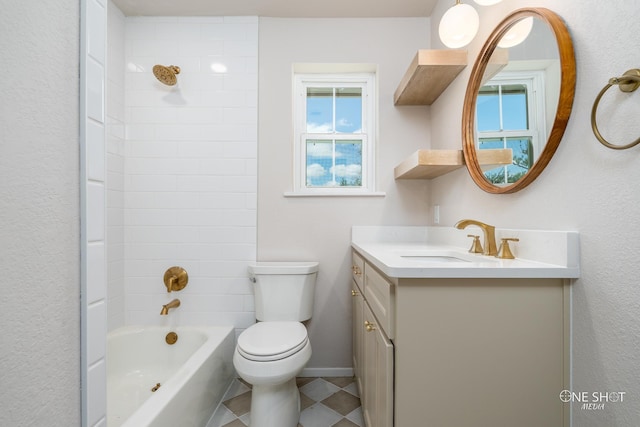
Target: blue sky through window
334,158
503,108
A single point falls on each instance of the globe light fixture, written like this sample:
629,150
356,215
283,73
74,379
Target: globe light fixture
487,2
517,34
459,25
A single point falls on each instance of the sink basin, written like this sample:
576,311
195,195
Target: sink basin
446,256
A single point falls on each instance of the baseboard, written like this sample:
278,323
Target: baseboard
326,372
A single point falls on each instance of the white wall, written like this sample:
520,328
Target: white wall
190,168
586,187
319,228
39,219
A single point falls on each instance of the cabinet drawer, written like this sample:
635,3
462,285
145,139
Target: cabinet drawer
380,294
357,269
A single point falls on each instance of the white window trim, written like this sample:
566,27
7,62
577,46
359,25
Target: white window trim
301,81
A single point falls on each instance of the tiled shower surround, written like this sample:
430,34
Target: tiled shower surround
189,170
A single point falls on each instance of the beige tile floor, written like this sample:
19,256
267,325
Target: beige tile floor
325,402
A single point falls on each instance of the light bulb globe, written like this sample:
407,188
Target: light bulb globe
487,2
517,34
459,26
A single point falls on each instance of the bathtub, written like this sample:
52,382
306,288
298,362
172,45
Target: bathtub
193,373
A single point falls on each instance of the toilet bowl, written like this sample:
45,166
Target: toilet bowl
272,370
270,353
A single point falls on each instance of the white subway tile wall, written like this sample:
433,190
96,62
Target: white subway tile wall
189,181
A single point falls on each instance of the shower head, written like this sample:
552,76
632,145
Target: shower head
166,75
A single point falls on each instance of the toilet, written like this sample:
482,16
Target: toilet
270,353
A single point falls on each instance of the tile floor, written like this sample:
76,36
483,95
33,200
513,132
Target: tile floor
324,402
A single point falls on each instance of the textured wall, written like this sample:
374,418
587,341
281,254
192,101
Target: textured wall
39,219
586,187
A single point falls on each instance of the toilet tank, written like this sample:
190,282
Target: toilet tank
284,291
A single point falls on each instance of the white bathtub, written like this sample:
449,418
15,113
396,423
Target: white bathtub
193,373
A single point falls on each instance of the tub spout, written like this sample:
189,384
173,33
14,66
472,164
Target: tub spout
489,234
172,304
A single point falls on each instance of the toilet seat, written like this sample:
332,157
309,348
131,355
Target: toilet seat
269,341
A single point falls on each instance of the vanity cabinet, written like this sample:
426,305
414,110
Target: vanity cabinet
463,352
372,348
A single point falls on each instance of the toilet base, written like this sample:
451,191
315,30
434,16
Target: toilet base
275,405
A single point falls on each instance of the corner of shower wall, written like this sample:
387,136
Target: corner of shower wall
93,292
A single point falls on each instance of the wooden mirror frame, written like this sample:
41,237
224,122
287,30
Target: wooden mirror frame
565,100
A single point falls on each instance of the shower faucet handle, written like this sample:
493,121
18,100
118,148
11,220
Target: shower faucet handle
175,279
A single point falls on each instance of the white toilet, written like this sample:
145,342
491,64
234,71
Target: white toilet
270,353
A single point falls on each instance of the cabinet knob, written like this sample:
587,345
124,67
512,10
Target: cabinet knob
356,270
354,293
369,326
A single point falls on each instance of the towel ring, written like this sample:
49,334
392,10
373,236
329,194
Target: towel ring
628,82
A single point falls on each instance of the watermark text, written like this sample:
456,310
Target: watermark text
592,400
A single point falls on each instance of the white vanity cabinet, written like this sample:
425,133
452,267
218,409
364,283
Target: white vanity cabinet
463,352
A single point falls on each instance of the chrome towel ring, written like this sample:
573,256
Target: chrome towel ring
628,82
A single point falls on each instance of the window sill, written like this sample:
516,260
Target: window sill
329,193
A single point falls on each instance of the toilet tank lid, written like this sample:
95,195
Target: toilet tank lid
282,267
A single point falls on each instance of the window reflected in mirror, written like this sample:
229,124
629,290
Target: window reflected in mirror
508,115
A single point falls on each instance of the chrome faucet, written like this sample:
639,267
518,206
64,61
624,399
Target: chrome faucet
172,304
489,234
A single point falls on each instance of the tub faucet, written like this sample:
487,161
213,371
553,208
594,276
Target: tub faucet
172,304
489,234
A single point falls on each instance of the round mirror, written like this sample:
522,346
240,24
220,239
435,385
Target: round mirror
518,100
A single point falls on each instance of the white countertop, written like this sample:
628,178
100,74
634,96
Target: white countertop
438,252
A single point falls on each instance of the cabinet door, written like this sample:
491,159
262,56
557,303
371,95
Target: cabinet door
380,296
357,302
377,399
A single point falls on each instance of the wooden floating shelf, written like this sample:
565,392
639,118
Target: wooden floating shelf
499,59
491,159
428,75
428,164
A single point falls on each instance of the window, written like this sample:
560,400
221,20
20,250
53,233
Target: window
334,134
509,115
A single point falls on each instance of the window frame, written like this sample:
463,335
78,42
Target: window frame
367,82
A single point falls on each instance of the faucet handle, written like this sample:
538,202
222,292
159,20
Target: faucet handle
504,251
476,246
175,279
